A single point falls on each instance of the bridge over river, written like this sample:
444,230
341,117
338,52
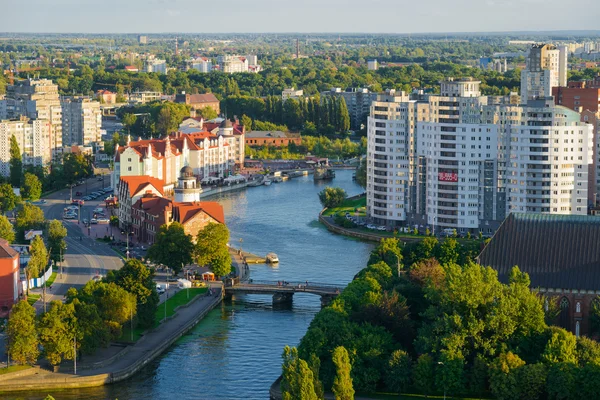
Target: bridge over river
283,291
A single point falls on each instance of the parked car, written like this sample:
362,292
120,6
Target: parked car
160,289
85,221
74,208
371,226
381,228
108,189
78,193
94,221
43,201
103,220
70,216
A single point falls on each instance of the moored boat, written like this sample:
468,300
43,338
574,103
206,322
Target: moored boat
272,258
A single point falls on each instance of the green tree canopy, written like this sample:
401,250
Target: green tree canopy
58,331
8,198
342,384
297,382
22,335
211,248
172,247
332,196
28,217
56,240
16,163
32,187
38,259
7,231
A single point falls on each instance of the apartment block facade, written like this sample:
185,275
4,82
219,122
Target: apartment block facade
36,99
81,121
33,137
546,68
453,161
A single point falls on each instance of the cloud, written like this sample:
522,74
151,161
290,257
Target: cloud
173,13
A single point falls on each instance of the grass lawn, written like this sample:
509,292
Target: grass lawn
32,298
180,298
51,280
13,368
349,206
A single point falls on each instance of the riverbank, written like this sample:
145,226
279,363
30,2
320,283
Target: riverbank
127,362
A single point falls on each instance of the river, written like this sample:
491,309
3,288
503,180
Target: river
235,352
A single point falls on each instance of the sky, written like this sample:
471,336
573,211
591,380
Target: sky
251,16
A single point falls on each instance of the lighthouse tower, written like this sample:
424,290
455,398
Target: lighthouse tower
187,189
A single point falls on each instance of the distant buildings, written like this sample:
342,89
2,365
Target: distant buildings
81,120
546,68
272,138
130,189
199,101
291,93
143,97
491,64
456,161
106,97
201,64
579,96
9,278
231,64
131,68
143,39
358,101
372,65
156,65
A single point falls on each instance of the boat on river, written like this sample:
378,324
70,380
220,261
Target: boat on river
255,183
272,258
323,174
266,182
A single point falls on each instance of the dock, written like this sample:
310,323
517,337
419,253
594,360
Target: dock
251,258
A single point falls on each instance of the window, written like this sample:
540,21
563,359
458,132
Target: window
577,328
578,307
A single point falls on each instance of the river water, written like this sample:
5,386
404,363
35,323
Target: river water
235,352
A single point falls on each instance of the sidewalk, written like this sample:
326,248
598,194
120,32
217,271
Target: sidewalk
237,260
152,344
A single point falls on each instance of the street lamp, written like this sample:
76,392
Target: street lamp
442,364
398,264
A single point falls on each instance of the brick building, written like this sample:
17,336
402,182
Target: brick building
272,138
561,255
579,95
9,277
199,101
131,189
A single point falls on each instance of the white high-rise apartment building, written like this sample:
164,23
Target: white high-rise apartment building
201,64
546,68
33,137
156,65
453,161
231,64
36,99
550,155
81,120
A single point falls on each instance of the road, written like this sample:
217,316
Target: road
85,257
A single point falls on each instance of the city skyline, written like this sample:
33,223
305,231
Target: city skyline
332,16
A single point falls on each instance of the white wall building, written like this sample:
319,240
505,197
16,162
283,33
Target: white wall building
33,137
546,68
81,121
452,161
291,93
201,64
36,99
156,65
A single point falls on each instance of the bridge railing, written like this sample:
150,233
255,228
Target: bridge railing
308,284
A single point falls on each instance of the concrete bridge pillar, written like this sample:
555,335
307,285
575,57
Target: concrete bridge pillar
283,298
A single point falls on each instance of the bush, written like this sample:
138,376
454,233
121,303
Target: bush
332,197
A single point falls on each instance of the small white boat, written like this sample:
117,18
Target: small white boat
267,182
272,258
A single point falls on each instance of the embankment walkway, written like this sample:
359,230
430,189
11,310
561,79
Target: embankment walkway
130,360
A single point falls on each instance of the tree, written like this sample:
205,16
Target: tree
28,217
428,272
128,121
77,166
315,366
56,240
211,248
361,173
343,116
397,377
561,382
16,163
332,196
22,336
532,380
6,230
32,187
137,279
247,122
504,383
448,252
562,347
422,374
297,382
8,198
342,383
172,247
450,373
58,332
38,259
207,113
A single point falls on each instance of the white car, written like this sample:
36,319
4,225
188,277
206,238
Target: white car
381,228
160,289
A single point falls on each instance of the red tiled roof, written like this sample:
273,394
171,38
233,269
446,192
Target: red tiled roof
153,205
203,98
186,211
136,183
6,251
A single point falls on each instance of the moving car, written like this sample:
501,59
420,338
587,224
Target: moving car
94,221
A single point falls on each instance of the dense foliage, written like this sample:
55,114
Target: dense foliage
447,326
